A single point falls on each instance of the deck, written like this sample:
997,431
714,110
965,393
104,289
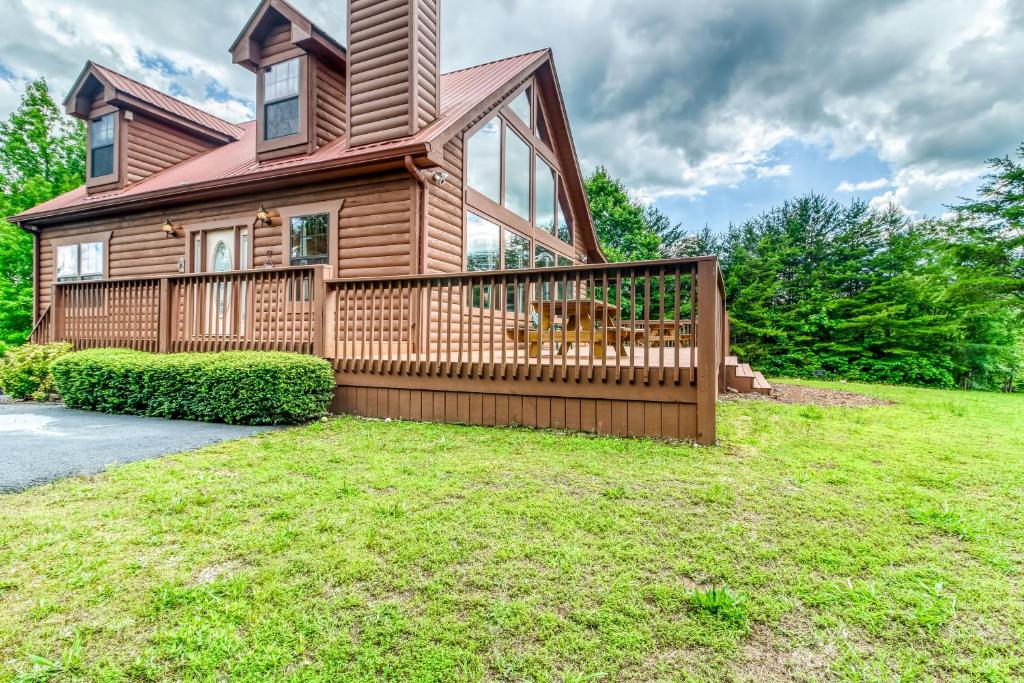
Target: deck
633,349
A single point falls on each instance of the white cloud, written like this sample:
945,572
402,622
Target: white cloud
676,97
777,171
864,185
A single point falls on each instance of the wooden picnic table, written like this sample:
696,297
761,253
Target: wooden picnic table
665,332
578,327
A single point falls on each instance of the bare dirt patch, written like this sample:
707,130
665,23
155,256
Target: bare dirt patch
798,395
210,574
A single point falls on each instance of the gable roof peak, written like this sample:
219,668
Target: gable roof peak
126,92
304,34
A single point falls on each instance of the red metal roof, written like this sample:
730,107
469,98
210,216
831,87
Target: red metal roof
461,92
164,101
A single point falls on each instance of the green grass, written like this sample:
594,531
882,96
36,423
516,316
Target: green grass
859,544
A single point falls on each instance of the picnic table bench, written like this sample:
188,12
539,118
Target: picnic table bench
578,328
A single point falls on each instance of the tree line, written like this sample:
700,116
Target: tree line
816,288
820,289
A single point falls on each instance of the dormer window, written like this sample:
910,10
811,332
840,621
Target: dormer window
281,100
101,146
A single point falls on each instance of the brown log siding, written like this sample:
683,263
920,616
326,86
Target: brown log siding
375,231
330,103
446,211
150,147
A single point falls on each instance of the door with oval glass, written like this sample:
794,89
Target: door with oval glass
221,304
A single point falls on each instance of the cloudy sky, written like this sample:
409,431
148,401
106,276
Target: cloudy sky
714,110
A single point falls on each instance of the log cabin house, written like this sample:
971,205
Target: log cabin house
427,233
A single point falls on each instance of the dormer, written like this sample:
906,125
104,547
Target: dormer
300,80
134,131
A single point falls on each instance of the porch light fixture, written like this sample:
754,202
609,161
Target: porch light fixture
169,228
263,216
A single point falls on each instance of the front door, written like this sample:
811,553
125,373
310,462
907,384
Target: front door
219,258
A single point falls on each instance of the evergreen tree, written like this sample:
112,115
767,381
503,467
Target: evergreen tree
42,155
627,230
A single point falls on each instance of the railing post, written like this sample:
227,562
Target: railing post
319,303
163,312
57,331
709,343
726,348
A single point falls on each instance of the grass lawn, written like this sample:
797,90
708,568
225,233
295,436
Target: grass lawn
813,543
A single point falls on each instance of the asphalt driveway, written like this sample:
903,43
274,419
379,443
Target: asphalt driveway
40,443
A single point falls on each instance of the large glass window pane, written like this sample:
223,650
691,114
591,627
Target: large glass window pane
545,258
309,239
517,175
545,196
522,107
484,162
517,251
483,243
281,119
67,261
281,100
564,231
91,264
101,144
281,81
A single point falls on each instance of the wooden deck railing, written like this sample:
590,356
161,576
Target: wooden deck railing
41,330
635,320
270,310
658,321
625,348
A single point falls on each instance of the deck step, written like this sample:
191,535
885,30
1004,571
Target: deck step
761,385
742,378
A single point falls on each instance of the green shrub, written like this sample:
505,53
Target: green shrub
248,387
25,370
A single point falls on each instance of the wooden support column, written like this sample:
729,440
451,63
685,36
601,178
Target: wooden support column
709,321
57,331
726,348
164,310
318,301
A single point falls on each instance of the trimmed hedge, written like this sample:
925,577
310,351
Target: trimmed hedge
25,370
250,387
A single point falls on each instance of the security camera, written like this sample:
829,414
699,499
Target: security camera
440,177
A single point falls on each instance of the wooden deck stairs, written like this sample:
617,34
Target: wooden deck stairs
742,378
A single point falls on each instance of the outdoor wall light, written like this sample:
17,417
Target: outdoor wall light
263,216
170,229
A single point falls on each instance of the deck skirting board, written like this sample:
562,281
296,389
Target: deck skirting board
672,420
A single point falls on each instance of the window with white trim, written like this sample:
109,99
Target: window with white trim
83,261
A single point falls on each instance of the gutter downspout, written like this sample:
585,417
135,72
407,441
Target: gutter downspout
421,309
421,238
37,247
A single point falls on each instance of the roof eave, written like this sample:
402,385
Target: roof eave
419,150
